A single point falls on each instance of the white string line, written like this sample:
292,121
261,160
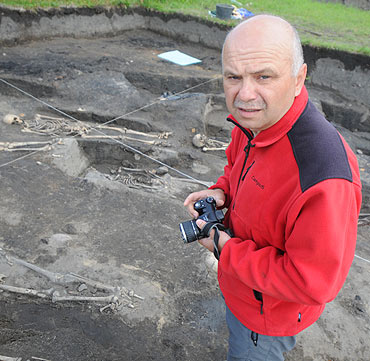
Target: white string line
20,158
110,121
160,100
117,141
362,259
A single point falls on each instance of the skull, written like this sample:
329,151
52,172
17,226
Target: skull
12,119
199,140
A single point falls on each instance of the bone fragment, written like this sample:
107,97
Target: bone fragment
38,358
25,291
150,142
207,149
40,132
58,298
24,146
138,297
21,144
134,170
5,358
95,284
26,149
112,306
217,142
63,279
53,277
42,116
163,135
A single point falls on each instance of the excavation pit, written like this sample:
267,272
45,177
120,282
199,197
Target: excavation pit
106,203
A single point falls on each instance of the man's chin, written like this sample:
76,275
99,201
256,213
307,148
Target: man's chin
248,123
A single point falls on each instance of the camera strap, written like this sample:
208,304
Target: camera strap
206,230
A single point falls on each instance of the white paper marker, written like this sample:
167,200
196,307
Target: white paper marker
179,58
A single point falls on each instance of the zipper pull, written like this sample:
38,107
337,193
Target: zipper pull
254,337
246,150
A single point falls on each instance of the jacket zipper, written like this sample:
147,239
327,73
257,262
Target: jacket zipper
258,295
241,177
246,172
246,149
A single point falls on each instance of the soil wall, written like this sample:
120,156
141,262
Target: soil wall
346,74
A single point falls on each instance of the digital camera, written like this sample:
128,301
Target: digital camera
206,208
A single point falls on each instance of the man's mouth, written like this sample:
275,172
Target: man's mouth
249,110
254,110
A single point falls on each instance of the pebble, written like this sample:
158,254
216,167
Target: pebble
82,287
161,170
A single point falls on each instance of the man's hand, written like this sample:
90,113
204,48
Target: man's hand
208,242
217,194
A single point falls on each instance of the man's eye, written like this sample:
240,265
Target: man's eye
234,77
264,77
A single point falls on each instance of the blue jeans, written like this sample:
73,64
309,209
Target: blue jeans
246,345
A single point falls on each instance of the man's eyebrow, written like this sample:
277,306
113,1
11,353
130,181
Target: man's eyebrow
267,70
264,71
228,72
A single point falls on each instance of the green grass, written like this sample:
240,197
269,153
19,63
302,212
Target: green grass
321,24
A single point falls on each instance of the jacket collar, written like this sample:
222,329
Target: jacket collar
278,130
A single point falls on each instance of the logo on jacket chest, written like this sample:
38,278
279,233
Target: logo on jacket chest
257,182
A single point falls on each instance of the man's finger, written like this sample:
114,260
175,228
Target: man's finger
200,223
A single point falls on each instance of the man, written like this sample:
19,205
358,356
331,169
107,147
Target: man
292,190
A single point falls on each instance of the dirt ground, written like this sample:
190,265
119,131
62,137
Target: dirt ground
103,209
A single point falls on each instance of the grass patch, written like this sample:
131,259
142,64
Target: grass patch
330,25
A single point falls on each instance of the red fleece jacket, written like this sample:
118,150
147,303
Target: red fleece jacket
293,195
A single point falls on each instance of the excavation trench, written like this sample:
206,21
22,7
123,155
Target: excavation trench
103,197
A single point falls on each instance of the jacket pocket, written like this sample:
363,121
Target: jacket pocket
258,296
234,287
282,316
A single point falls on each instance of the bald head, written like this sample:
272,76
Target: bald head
268,29
263,71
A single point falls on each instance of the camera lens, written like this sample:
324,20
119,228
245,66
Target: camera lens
190,231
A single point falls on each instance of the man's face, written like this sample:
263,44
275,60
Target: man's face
258,82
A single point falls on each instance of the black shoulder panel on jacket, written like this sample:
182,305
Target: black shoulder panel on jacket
318,149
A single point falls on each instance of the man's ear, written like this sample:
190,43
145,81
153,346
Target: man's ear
300,79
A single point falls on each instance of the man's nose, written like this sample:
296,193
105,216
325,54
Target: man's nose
247,91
